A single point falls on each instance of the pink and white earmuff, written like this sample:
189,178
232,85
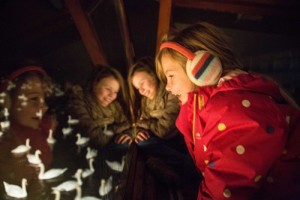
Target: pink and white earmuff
202,67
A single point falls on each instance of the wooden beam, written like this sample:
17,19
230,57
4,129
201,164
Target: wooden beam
164,19
251,7
128,48
86,31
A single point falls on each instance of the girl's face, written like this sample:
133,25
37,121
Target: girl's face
28,105
178,82
145,84
106,90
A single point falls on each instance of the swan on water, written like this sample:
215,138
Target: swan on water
115,165
72,121
50,138
89,171
81,140
107,132
70,184
105,186
15,190
91,153
34,158
51,173
79,195
22,148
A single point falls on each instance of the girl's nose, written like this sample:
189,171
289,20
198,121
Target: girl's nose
168,87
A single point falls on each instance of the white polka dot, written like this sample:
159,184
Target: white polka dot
240,149
198,136
257,178
203,174
227,193
270,179
204,148
206,161
221,126
288,119
246,103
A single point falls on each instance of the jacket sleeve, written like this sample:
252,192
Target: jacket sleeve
242,138
121,121
80,109
162,121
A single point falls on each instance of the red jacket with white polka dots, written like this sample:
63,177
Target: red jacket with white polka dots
243,139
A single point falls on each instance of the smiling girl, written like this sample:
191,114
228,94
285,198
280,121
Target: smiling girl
241,131
98,109
25,92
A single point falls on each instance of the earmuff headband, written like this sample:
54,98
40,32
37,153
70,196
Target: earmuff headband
177,47
18,72
22,70
202,68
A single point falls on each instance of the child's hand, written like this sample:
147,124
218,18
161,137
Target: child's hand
141,136
123,138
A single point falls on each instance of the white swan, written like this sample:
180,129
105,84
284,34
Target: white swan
6,113
50,138
71,184
89,171
15,190
51,173
72,121
22,148
91,153
57,194
79,197
34,158
105,186
66,131
115,165
107,132
81,140
5,124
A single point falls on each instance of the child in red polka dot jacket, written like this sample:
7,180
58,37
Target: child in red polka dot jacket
240,128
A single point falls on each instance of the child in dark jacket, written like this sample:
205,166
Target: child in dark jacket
97,107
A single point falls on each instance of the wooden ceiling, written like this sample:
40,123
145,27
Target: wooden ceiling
35,27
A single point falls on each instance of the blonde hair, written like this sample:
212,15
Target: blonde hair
200,36
100,72
144,64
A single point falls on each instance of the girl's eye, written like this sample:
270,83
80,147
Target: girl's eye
35,99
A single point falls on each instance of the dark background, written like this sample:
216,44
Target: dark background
43,30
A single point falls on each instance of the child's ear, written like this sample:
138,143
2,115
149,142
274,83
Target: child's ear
204,69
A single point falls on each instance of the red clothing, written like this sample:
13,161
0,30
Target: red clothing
242,139
17,135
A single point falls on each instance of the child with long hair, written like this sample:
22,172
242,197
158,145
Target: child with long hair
98,107
156,134
241,131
